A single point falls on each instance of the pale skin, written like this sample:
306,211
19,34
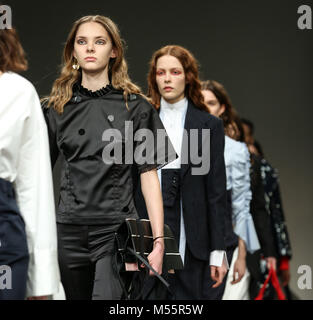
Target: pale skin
215,108
93,41
171,81
240,264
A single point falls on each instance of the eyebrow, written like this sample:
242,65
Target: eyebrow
180,68
83,37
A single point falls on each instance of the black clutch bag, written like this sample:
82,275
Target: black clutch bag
133,244
134,241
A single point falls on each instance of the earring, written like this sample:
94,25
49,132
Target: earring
75,66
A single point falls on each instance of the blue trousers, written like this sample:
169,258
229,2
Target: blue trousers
14,256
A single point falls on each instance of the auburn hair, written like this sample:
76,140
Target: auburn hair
231,120
12,55
62,89
191,70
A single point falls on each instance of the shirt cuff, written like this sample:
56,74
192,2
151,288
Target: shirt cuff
217,257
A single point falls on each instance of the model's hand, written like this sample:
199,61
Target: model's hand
239,270
218,274
155,258
271,263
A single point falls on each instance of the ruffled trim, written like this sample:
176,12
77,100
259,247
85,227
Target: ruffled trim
245,229
98,93
241,195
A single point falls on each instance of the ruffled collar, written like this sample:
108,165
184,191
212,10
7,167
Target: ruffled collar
98,93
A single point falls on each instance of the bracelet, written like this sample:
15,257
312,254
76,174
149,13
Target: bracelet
158,238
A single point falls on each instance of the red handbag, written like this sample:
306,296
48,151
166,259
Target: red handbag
274,279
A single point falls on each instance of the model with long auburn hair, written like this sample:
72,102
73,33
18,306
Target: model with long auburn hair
28,241
194,205
192,82
241,234
92,95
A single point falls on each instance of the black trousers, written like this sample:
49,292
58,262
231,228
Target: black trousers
13,246
189,284
86,262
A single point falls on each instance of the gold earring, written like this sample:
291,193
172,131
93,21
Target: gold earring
75,66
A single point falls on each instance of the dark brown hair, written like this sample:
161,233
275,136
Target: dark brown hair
190,65
232,124
12,55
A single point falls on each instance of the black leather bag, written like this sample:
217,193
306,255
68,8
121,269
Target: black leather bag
133,244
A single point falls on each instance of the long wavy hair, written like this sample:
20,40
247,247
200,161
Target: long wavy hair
191,69
231,120
12,55
62,89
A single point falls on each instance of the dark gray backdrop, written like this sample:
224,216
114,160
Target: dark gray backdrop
253,47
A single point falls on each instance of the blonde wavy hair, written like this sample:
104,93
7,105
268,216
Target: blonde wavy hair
62,89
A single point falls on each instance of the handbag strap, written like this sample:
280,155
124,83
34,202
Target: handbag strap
148,266
115,265
262,290
275,282
276,285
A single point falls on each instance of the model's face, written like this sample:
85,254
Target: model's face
93,47
170,78
212,103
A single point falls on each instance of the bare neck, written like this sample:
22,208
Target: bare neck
95,81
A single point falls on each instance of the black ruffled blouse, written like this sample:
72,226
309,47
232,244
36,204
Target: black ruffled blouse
94,191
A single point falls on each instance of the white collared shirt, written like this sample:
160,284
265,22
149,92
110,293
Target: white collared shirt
173,118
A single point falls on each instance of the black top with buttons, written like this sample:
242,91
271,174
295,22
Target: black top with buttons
93,191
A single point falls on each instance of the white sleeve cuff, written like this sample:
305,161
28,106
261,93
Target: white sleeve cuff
217,257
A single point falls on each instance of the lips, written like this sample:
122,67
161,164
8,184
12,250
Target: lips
91,59
168,89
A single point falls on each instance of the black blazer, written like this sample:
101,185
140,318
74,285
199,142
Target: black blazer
203,196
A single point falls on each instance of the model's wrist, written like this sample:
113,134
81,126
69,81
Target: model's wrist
241,256
159,244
